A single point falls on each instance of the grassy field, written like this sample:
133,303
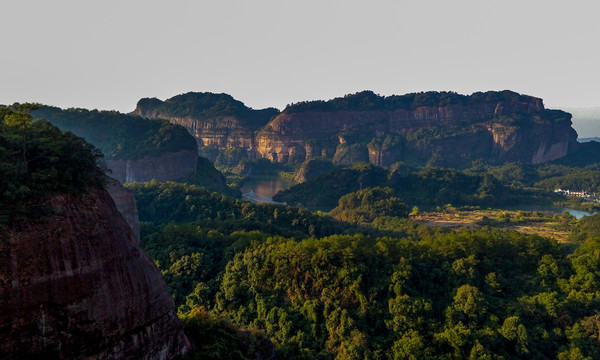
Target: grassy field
542,223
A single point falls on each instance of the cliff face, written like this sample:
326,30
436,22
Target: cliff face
457,129
77,285
168,166
219,132
215,120
520,131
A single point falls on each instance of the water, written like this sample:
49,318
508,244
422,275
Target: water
577,213
266,185
528,207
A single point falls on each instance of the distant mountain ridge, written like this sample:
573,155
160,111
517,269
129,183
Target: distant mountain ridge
443,127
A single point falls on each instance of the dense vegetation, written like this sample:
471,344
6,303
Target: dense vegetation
206,105
455,296
361,282
119,135
207,176
588,180
365,205
171,202
37,161
368,100
428,188
421,293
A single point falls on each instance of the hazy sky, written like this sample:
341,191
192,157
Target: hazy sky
109,54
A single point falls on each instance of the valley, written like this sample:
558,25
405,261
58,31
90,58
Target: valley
415,226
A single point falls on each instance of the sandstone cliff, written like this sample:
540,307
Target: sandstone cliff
499,128
77,286
413,128
215,120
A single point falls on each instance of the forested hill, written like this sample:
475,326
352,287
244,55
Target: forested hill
492,126
120,135
135,148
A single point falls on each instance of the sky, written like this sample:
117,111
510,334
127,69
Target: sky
108,54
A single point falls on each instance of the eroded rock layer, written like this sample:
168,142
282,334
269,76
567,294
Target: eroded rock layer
498,132
78,286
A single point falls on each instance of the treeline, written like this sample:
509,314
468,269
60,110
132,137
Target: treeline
37,161
546,176
587,180
368,100
120,135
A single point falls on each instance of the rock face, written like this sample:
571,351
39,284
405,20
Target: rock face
78,286
521,131
215,120
168,166
454,129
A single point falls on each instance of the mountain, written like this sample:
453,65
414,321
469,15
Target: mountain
135,149
450,129
446,128
215,120
74,282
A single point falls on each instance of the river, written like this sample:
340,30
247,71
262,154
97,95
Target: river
266,185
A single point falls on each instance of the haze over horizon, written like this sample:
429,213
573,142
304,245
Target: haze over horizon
108,55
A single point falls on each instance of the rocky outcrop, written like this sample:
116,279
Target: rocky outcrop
78,286
167,166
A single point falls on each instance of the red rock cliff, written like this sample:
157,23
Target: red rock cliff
491,126
77,286
460,132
